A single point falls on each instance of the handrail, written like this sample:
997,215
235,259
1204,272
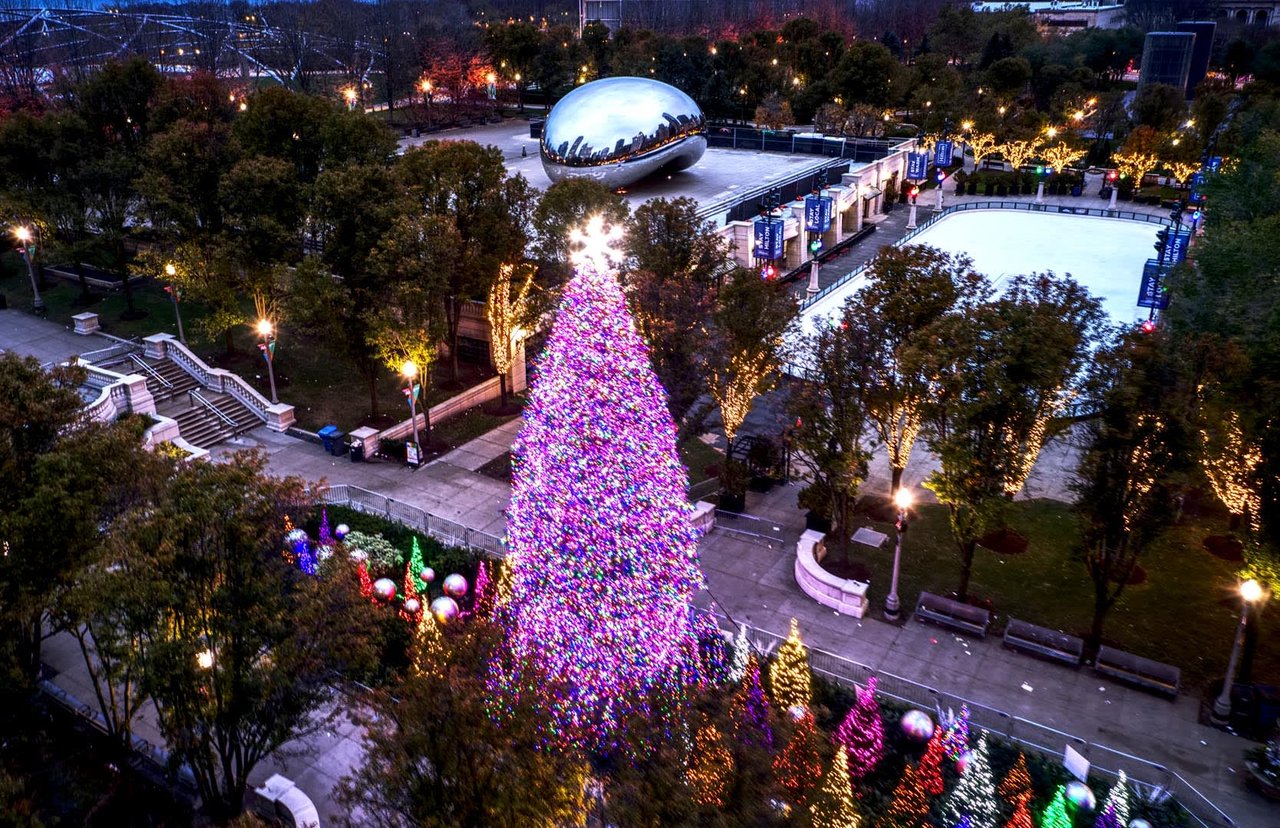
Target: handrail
1062,209
207,403
118,349
150,371
223,381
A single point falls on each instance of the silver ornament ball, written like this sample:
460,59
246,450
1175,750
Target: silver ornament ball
445,609
384,589
342,531
917,725
455,586
412,605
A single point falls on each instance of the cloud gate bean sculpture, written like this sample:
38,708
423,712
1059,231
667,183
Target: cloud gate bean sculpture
619,130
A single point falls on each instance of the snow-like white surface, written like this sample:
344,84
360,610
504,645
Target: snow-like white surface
1104,255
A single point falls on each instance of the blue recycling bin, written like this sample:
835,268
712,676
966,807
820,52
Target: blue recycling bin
329,436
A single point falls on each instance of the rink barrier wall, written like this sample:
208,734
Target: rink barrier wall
1060,209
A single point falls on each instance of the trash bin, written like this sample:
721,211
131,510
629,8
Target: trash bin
357,451
329,436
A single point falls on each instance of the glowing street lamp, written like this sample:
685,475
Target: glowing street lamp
27,247
1250,593
175,293
902,499
409,370
268,347
204,659
350,94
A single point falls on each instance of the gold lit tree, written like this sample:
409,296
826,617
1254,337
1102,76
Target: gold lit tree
507,309
982,145
789,674
1231,462
1061,156
1019,152
1181,171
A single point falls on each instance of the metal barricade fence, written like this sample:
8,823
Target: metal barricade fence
1149,778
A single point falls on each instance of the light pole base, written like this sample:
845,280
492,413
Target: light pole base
892,611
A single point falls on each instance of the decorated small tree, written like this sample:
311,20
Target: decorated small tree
713,658
1016,785
909,807
483,592
710,766
862,732
956,736
1055,813
325,533
366,583
416,564
749,710
799,767
428,644
929,773
603,552
1021,817
974,798
789,673
741,655
1117,802
833,807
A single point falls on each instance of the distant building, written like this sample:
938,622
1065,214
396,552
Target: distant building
1065,16
1265,13
1200,52
1166,58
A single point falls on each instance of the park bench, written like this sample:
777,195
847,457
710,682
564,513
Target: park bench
952,614
1044,642
1138,671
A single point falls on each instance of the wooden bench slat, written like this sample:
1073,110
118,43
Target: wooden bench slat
952,614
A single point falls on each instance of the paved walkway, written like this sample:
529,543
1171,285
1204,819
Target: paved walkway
484,448
751,579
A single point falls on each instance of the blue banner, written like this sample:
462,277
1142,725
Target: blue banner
1213,164
1178,244
769,239
942,153
917,165
1197,181
1152,293
817,213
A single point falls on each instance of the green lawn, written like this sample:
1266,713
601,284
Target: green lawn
697,457
1182,614
320,383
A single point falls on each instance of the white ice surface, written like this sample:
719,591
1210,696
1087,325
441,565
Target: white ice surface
1102,254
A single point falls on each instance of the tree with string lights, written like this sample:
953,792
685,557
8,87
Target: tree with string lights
789,676
834,806
973,800
861,733
602,551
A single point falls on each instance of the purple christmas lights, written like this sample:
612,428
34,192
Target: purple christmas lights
602,550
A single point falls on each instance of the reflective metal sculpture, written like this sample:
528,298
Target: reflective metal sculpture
619,130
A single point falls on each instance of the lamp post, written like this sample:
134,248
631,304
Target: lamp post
902,498
175,293
911,217
409,370
27,247
1250,592
268,346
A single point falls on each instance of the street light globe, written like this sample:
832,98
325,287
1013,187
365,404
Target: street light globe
1251,590
204,659
902,498
23,234
264,327
170,270
409,369
966,125
1053,132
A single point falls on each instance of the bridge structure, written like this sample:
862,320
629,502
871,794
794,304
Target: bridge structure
38,44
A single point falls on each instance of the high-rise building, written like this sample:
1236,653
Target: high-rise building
1166,58
1200,52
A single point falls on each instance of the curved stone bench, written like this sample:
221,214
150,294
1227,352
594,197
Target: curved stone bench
844,596
288,800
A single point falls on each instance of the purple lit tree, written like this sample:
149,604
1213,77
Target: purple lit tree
602,551
862,732
749,710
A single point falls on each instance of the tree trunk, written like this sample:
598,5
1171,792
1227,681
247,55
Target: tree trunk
967,550
896,480
373,392
452,318
502,392
1100,607
84,283
228,341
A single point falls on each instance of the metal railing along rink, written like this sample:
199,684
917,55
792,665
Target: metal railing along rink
1151,779
1031,207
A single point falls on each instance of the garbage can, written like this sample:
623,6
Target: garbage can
329,436
357,451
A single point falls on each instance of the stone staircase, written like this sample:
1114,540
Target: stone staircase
204,426
165,379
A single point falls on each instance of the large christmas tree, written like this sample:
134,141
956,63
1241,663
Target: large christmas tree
602,551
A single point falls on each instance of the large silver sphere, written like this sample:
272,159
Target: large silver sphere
341,531
444,609
455,586
618,130
384,588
